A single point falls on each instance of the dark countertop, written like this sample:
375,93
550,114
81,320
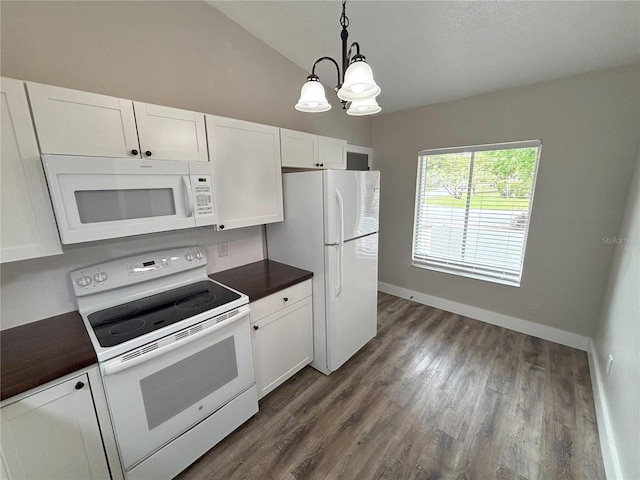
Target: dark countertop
39,352
262,278
42,351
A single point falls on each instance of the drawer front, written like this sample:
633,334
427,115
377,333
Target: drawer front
271,304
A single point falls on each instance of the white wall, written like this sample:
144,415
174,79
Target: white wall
31,290
589,127
183,54
618,334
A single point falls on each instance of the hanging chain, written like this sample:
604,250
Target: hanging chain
344,20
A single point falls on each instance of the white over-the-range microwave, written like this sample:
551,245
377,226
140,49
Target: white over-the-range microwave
96,198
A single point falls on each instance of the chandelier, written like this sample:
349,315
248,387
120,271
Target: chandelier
355,87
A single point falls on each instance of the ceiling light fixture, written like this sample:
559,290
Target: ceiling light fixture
355,81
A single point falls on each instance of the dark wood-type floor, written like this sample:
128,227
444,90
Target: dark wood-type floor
434,396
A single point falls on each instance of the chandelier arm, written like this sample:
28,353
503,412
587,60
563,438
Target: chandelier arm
313,70
357,47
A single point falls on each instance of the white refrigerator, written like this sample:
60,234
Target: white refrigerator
331,228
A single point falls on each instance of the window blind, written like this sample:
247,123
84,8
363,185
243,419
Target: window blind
472,209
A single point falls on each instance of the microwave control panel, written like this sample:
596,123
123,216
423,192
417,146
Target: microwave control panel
203,194
201,177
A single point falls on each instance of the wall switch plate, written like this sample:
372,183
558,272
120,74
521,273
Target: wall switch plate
609,364
223,249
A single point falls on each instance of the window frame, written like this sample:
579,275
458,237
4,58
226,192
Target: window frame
450,266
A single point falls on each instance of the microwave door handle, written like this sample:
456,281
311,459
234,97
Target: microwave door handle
118,367
188,194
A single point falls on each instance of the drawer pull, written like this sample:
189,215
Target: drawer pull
79,386
286,299
256,327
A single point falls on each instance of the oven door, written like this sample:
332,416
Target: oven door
157,392
98,198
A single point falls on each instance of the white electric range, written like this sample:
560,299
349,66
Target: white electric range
174,350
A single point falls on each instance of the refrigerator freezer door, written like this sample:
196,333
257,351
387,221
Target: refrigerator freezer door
351,203
351,297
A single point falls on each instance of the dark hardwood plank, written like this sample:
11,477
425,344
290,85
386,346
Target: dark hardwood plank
433,396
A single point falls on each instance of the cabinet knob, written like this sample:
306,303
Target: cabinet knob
221,227
256,327
79,386
134,152
286,299
148,153
322,164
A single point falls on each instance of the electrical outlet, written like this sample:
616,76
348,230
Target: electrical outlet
534,309
609,364
223,249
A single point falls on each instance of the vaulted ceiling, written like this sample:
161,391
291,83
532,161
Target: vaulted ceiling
425,52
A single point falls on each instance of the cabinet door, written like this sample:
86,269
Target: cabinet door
282,345
299,149
28,227
70,122
248,176
170,134
54,434
332,153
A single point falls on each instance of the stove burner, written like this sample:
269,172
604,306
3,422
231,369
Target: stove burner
125,322
117,313
127,328
192,302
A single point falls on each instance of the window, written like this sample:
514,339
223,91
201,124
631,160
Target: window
472,211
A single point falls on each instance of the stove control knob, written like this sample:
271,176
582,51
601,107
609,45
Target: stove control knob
189,257
198,254
84,281
100,277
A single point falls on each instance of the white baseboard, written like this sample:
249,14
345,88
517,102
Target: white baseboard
519,325
610,459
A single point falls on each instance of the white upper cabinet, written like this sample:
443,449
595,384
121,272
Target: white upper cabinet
299,149
332,152
167,133
71,122
28,227
247,172
305,150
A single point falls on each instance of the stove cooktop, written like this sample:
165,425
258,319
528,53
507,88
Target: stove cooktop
118,324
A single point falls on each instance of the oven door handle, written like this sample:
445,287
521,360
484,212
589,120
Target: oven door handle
113,368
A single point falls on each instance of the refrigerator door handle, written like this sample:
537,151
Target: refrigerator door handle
339,283
340,215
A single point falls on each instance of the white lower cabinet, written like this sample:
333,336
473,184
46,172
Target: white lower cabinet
54,433
282,335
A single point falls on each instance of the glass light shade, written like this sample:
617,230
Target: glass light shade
312,98
368,106
358,83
